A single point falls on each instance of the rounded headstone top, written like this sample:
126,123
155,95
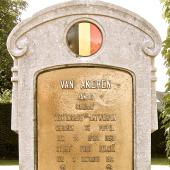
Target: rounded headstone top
18,46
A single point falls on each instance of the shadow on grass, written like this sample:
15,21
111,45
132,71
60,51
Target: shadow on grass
9,162
160,161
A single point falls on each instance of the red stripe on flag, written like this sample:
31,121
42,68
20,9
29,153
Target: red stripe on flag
96,38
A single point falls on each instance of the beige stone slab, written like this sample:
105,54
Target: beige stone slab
39,44
88,126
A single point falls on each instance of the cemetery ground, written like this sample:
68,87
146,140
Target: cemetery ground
157,164
154,167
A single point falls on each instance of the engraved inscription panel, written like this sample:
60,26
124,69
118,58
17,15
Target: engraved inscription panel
84,119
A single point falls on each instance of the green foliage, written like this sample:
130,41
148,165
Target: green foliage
10,12
5,97
166,54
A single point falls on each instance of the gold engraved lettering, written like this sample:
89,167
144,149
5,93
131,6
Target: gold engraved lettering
107,148
87,127
60,138
85,96
110,138
85,148
109,159
63,148
60,158
62,167
102,117
90,159
106,127
85,106
108,167
93,138
67,84
64,127
81,117
96,84
69,117
75,138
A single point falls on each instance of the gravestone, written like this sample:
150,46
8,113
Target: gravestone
84,88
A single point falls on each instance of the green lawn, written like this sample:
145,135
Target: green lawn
155,161
160,161
9,162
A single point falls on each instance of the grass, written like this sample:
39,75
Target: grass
9,162
155,161
160,161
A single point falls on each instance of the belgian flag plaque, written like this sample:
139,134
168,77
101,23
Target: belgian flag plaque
84,39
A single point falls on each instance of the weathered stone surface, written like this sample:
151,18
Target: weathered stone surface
39,43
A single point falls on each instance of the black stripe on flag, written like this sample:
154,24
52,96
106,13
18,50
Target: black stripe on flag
73,38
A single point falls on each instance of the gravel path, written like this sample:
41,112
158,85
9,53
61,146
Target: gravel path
154,167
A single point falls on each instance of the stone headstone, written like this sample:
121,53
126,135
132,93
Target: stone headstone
84,88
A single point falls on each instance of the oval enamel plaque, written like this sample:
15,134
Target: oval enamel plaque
84,39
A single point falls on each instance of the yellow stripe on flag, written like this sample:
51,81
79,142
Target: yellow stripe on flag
84,39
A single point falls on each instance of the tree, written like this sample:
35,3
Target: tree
10,15
166,55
